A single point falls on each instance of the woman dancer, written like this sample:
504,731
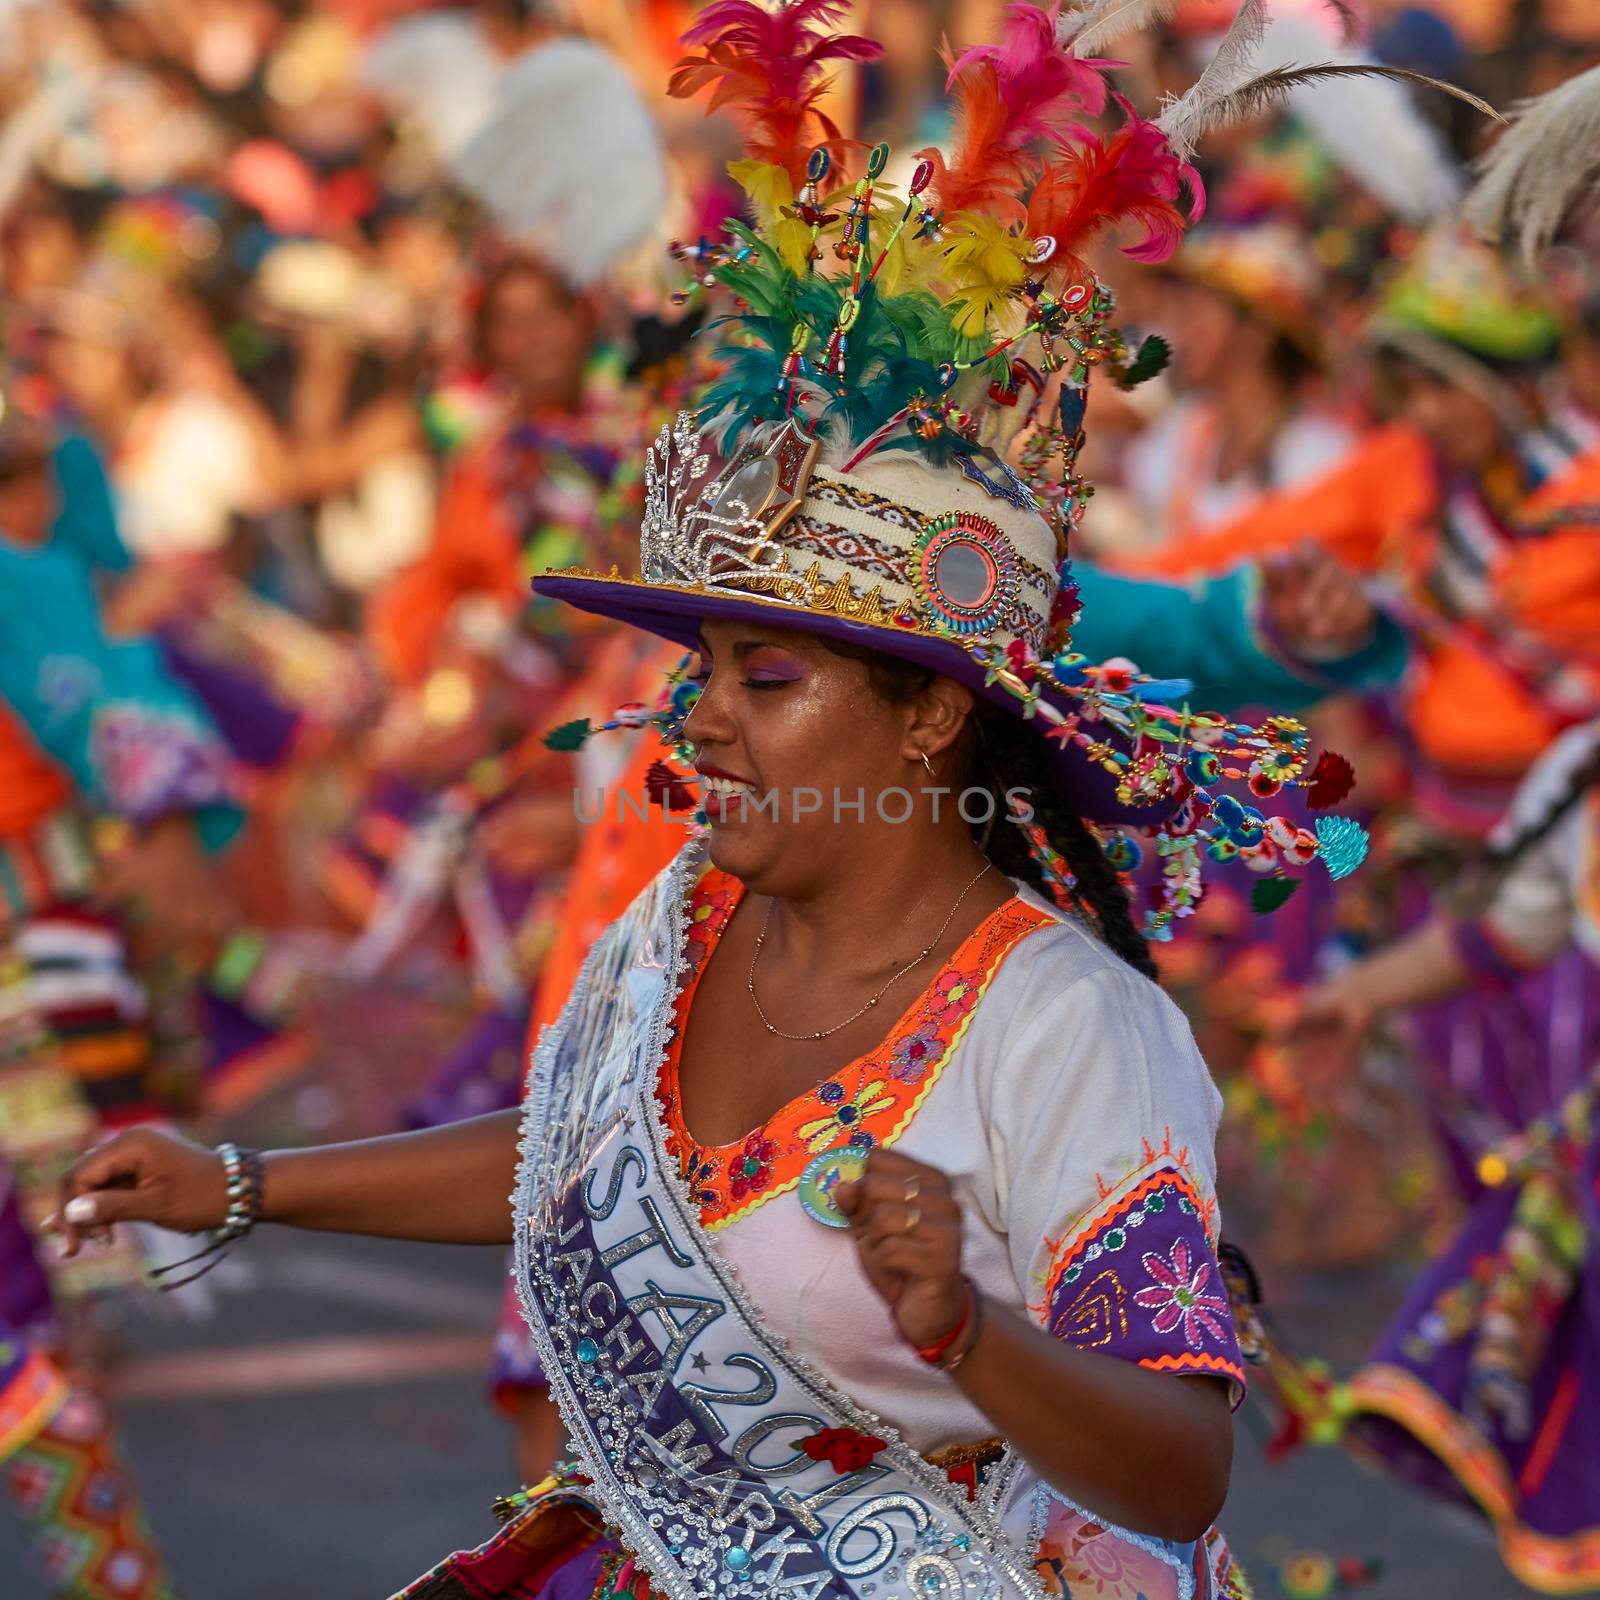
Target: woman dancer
830,1306
1475,1389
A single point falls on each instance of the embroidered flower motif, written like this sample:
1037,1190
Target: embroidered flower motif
912,1055
820,1132
700,1173
1180,1299
709,907
846,1449
951,997
751,1168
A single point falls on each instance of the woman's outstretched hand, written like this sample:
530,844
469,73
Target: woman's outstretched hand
144,1175
1339,1014
907,1229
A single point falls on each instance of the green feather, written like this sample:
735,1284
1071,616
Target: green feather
569,736
1271,893
746,390
1153,357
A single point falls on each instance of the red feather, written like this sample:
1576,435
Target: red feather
662,784
1331,780
768,68
1005,99
1133,176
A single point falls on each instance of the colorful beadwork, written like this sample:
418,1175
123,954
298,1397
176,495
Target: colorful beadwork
964,573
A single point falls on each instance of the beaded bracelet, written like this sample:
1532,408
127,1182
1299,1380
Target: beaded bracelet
939,1353
244,1182
242,1172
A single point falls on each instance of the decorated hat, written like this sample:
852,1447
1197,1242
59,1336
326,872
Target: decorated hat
1455,293
1268,268
887,453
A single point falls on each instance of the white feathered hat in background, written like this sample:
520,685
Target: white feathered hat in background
569,162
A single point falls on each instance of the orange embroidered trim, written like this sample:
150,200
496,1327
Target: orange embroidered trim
1195,1363
1552,1565
1064,1250
868,1101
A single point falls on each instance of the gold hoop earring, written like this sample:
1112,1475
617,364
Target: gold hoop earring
928,764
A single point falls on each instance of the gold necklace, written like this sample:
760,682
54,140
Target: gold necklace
761,939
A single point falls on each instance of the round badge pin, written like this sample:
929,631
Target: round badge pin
823,1174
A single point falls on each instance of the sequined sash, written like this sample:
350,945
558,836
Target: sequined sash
683,1409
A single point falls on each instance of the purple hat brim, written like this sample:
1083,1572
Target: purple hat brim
676,614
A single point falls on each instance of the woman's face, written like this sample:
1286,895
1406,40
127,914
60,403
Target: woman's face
1462,428
1216,336
537,337
787,734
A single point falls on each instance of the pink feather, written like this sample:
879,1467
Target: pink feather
1132,177
768,67
1041,83
1008,97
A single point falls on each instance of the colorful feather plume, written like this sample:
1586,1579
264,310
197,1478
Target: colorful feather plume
770,69
1132,177
906,344
1007,97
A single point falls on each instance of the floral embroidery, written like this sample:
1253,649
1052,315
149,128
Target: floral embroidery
868,1102
751,1169
713,902
1180,1298
952,996
844,1118
912,1056
1159,1224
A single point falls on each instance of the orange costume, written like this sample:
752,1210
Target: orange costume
1492,683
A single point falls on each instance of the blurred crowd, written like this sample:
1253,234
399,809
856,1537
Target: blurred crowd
328,322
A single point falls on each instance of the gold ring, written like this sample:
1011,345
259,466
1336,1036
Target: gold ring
913,1217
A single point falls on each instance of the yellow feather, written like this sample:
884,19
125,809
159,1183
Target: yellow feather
972,308
792,240
982,253
770,188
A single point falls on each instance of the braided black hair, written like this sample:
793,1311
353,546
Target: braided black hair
1009,755
1006,754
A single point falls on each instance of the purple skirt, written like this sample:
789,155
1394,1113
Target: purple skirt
556,1549
1486,1387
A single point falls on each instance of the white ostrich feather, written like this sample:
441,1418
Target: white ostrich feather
1183,120
1372,126
1363,114
570,160
1539,169
437,69
1102,21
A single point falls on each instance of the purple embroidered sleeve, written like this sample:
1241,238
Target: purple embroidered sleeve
1139,1280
